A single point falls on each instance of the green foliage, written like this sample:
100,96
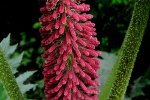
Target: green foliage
127,98
139,84
107,62
29,50
27,53
39,59
104,43
22,78
6,76
6,48
111,18
3,93
119,1
118,80
14,62
36,25
40,86
32,57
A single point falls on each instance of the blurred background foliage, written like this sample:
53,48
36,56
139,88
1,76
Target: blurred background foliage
112,17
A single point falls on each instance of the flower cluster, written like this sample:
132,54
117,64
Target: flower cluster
70,59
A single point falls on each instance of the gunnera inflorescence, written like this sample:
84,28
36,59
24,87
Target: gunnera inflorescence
68,38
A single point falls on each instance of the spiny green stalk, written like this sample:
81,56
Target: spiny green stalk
118,80
8,80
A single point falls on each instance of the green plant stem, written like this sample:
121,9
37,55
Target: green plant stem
8,80
115,86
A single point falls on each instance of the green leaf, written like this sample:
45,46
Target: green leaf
36,25
6,76
119,2
11,49
15,62
22,78
40,84
27,87
127,98
118,80
3,93
4,45
139,84
107,62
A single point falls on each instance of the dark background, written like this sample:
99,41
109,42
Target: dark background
111,18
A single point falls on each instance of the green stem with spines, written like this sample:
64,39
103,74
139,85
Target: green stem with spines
8,80
117,82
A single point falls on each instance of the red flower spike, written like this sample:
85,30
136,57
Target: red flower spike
70,66
61,8
63,19
62,29
67,2
69,12
57,24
